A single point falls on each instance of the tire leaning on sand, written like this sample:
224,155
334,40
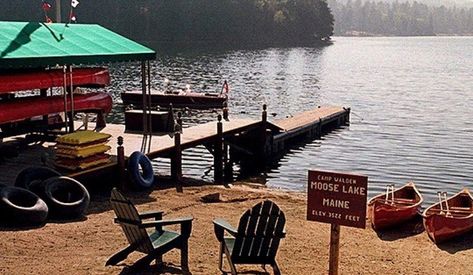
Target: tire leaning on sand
139,179
34,173
21,206
66,197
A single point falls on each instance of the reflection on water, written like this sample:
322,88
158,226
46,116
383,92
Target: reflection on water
411,100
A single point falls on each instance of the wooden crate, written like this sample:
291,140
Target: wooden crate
161,121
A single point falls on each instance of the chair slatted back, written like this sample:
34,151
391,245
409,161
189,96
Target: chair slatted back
259,232
129,220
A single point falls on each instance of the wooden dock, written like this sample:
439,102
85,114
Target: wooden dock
162,145
234,141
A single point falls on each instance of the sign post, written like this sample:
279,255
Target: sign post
338,199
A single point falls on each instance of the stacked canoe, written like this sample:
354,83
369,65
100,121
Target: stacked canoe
82,150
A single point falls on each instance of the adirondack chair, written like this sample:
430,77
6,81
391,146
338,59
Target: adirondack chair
256,240
155,243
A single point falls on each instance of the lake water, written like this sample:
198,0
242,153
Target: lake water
411,100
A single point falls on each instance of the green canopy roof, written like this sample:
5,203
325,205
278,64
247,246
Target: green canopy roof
35,44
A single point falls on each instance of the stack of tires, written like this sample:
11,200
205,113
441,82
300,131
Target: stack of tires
41,193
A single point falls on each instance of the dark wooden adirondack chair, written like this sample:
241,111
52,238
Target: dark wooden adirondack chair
256,240
154,243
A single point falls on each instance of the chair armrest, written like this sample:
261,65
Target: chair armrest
167,222
185,222
220,226
158,215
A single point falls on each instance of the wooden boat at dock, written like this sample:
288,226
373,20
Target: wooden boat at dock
449,217
395,206
181,99
14,81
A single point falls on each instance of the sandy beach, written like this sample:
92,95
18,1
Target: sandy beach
83,246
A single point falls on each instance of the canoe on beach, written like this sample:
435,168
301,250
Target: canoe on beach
395,206
449,217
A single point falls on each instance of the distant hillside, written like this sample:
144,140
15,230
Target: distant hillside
433,3
396,18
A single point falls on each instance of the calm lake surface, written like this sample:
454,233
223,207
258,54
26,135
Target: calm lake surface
411,100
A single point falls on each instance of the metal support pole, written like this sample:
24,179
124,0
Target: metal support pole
58,11
145,105
150,119
71,91
65,97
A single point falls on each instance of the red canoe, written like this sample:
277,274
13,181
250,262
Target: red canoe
26,107
44,79
387,210
443,223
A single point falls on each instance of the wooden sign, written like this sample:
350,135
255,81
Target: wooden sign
337,198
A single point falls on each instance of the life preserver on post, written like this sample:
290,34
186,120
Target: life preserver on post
21,206
66,197
140,179
34,173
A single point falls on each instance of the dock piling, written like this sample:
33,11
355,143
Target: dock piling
225,113
121,163
176,160
218,152
264,150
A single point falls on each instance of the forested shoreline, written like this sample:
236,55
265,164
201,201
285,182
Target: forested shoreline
370,18
225,22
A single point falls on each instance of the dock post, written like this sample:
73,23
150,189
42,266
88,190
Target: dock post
121,163
347,115
179,122
176,160
218,152
264,114
263,151
225,113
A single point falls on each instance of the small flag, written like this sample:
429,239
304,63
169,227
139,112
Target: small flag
74,3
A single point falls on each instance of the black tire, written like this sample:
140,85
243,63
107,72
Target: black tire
21,206
30,174
140,179
66,197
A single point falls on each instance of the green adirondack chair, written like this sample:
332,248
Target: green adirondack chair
256,240
154,243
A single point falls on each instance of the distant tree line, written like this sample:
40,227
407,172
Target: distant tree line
189,21
399,19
